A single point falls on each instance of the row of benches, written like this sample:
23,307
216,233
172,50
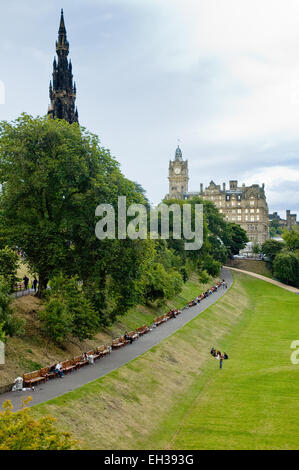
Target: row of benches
42,375
77,362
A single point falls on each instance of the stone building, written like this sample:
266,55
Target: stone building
63,90
243,205
288,223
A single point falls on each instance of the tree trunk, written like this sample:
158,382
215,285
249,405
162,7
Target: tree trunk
42,286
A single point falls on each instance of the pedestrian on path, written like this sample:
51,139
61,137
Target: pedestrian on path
26,281
34,284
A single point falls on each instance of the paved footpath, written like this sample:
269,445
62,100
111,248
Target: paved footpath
267,279
101,367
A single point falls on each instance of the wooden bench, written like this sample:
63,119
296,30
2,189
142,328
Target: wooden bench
94,353
32,378
46,372
133,335
79,362
68,366
103,350
117,343
172,314
142,330
159,320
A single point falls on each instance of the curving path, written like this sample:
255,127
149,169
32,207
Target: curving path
57,387
267,279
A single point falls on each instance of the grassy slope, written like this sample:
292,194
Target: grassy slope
174,396
33,351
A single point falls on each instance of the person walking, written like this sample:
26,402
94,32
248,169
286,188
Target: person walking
220,361
26,282
34,284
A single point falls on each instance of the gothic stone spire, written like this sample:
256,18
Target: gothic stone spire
62,91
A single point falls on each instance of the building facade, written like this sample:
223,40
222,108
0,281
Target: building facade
62,90
243,205
288,223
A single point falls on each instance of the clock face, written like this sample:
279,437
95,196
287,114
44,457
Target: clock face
177,171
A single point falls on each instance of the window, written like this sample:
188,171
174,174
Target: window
251,211
252,218
257,210
239,217
252,203
239,211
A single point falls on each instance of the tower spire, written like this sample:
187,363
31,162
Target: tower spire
63,92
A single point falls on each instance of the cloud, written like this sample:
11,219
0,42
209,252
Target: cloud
221,75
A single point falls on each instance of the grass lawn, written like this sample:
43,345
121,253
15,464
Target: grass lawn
175,397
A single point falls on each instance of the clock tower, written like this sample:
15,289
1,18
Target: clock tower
178,176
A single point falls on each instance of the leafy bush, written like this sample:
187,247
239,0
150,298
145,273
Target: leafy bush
20,431
9,323
68,312
271,248
162,284
204,277
9,260
286,268
210,265
291,239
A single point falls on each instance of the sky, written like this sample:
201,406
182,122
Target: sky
220,76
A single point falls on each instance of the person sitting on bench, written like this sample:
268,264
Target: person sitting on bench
172,314
128,338
58,370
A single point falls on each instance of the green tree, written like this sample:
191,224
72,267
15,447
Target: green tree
256,249
21,431
9,261
286,268
271,248
10,324
54,175
234,238
162,284
291,238
68,312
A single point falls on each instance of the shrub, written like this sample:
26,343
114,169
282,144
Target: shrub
10,324
68,312
286,268
9,260
204,277
20,431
